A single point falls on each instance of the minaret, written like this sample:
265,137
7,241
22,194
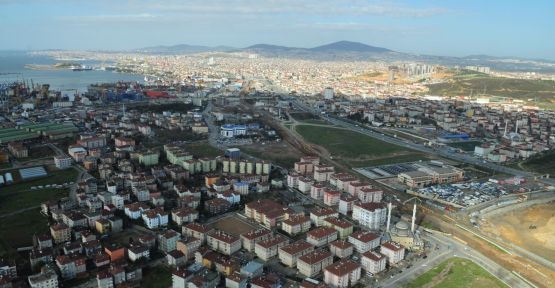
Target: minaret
388,217
413,217
506,125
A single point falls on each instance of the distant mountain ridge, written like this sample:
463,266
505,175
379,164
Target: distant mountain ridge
356,51
340,46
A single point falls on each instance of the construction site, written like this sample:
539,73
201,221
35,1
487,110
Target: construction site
532,228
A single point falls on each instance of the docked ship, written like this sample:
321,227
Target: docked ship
81,68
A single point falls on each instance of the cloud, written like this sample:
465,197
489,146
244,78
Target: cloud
140,17
276,7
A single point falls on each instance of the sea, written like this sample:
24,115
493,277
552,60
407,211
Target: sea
12,68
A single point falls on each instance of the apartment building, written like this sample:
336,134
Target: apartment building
289,254
267,212
167,241
196,230
331,197
342,274
341,248
321,236
393,251
60,233
250,238
71,265
368,195
269,248
364,241
184,215
373,262
317,215
314,262
343,227
296,224
317,191
346,203
155,218
222,242
371,215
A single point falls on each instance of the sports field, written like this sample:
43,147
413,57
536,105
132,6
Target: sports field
456,273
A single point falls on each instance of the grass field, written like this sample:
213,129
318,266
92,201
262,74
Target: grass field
203,150
280,153
54,177
21,228
542,91
543,163
466,146
302,116
346,143
11,201
456,273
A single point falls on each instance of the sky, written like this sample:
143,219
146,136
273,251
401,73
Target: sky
434,27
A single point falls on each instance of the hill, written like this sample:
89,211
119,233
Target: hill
348,46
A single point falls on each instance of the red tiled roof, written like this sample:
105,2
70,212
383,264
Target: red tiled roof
321,232
296,247
315,256
342,267
364,236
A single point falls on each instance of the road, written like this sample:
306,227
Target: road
443,152
454,248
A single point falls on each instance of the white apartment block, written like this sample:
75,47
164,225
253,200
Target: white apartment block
371,215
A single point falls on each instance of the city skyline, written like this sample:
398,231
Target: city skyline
445,28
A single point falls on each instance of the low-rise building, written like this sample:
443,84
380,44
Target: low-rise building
373,262
341,248
289,254
155,218
45,279
317,215
343,227
184,215
136,252
60,233
394,252
321,236
364,241
314,262
167,241
296,224
71,265
250,238
222,242
268,248
342,274
197,230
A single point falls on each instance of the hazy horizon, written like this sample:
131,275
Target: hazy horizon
446,28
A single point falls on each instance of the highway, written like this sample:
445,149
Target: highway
443,152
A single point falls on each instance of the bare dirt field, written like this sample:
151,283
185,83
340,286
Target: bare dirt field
233,225
281,153
532,228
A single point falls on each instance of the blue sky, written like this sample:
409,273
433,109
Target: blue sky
438,27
